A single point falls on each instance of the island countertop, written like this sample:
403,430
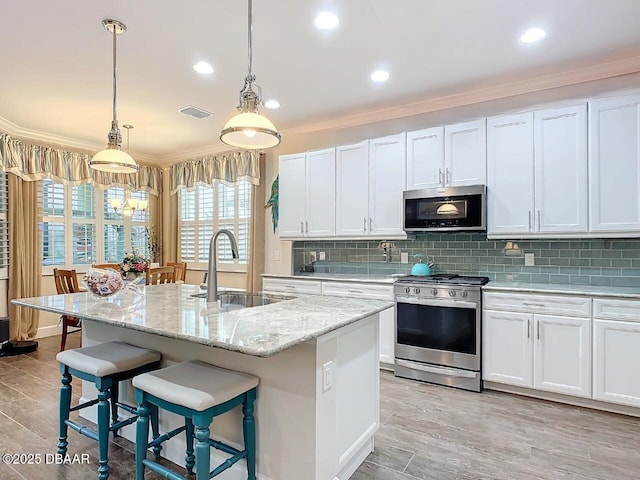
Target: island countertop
170,311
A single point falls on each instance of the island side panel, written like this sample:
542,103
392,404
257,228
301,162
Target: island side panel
285,409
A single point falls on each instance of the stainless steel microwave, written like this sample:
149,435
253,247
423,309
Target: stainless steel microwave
452,209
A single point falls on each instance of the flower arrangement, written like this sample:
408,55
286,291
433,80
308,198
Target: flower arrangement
134,262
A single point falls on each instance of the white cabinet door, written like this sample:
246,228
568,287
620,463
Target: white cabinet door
560,144
616,353
510,174
352,189
614,164
465,153
320,220
507,349
425,158
388,336
562,355
292,195
387,180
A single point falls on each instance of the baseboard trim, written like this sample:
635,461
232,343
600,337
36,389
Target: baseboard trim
49,331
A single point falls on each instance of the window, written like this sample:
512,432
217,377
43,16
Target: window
80,227
204,210
4,228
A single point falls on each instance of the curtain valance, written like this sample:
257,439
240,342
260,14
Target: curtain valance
35,162
228,167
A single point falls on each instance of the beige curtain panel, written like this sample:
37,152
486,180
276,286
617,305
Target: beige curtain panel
255,267
35,162
229,167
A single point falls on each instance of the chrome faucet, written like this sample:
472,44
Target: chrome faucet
212,271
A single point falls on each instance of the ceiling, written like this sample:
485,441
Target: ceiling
56,59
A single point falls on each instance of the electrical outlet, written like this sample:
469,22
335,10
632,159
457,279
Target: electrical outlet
529,260
276,255
312,257
322,256
327,376
404,257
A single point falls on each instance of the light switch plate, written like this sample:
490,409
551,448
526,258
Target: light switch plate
276,255
322,256
327,376
404,257
529,260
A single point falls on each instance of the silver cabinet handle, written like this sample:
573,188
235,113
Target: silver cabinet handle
364,224
529,220
306,226
533,304
301,227
538,329
447,177
539,224
370,224
440,177
528,328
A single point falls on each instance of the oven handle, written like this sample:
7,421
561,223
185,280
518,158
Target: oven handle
439,370
437,302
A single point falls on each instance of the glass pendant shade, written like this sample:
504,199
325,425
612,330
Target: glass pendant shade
250,130
113,160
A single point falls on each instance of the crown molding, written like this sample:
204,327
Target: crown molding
199,152
58,141
591,73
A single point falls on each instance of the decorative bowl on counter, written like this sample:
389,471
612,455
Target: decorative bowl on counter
103,283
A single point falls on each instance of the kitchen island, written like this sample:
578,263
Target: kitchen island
316,357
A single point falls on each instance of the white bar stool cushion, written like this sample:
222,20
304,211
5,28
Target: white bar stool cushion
195,385
107,358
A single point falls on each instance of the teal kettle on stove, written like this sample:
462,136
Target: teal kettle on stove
420,269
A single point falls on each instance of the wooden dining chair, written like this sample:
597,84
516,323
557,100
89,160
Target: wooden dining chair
67,282
181,270
160,275
114,266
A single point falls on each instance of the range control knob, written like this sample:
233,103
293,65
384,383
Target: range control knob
434,291
416,290
463,293
452,293
407,290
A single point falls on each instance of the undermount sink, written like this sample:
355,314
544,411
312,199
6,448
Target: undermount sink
246,300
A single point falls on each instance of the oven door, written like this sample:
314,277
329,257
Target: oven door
439,331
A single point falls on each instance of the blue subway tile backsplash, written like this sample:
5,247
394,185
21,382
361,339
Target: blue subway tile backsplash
614,262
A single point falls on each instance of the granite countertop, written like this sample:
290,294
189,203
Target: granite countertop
342,277
168,310
591,290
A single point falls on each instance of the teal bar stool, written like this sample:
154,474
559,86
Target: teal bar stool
198,392
105,365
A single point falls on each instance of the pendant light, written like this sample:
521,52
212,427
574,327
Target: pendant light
113,159
248,129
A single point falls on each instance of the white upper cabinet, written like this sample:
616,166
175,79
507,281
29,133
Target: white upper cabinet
425,158
352,189
292,178
614,172
321,193
537,173
387,173
510,174
560,145
454,155
307,194
465,153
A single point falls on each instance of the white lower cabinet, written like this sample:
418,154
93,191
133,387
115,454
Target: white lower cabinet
616,351
542,351
286,285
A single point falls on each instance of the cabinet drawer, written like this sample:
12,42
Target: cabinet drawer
569,306
291,286
358,290
610,309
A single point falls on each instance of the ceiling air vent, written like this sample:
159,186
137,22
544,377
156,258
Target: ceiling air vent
195,112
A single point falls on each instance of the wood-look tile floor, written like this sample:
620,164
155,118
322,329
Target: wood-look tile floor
427,432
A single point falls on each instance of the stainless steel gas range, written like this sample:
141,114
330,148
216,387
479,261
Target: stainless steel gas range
439,329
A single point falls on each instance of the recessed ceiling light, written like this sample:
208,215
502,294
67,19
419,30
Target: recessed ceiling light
380,76
203,68
272,104
326,21
533,35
